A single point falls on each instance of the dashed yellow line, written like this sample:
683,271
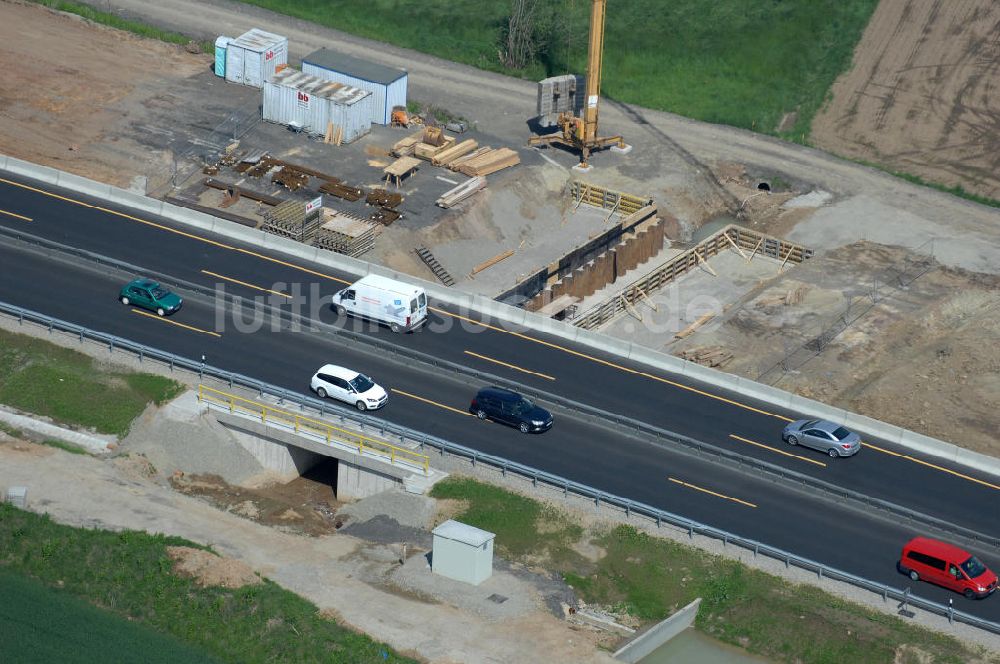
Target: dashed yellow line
442,312
775,449
243,283
433,403
173,322
15,215
711,493
509,366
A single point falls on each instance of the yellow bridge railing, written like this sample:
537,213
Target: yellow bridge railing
264,412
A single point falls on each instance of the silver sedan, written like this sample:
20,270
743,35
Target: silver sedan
824,436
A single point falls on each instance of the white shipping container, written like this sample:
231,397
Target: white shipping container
253,57
311,103
387,84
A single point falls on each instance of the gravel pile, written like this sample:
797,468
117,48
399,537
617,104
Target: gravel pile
405,509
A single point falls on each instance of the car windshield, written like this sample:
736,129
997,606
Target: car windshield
160,292
362,383
809,424
523,407
841,433
973,567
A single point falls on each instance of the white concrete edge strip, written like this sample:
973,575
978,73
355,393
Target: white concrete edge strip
488,308
654,637
84,441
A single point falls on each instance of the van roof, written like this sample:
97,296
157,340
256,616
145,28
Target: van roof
387,284
938,548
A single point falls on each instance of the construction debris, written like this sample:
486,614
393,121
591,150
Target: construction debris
231,189
385,216
383,198
404,147
709,356
290,178
787,298
458,194
340,190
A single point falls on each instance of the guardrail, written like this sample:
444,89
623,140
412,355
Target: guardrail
505,466
300,423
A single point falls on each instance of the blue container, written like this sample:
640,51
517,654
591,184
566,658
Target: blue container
220,55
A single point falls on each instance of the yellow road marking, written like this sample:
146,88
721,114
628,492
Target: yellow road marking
12,214
486,325
173,322
775,449
46,193
711,493
509,366
243,283
951,472
884,451
433,403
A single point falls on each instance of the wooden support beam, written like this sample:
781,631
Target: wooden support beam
694,326
646,298
614,209
493,261
630,309
736,246
786,258
702,260
756,247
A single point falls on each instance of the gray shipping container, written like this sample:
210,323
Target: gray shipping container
311,102
387,84
253,57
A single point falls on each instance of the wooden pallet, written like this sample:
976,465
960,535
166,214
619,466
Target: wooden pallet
428,258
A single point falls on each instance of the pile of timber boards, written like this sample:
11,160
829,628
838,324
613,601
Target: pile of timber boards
345,234
709,356
450,154
485,161
461,192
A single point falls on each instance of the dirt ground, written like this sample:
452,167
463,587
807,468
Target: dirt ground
914,355
921,96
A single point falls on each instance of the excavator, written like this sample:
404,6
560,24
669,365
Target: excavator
580,133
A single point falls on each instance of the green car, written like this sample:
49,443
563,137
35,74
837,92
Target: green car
148,294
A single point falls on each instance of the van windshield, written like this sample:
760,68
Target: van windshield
362,383
973,567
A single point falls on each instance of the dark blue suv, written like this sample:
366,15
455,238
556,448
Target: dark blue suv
511,408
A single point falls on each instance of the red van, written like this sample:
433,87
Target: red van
948,566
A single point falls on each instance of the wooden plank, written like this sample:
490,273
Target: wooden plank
493,261
735,246
558,305
705,263
694,326
786,258
756,247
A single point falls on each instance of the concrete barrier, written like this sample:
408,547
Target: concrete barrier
654,637
468,303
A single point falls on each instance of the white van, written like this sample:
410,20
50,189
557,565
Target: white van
399,305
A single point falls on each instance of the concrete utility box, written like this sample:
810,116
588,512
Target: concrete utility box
462,552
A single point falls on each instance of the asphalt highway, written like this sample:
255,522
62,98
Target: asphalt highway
813,526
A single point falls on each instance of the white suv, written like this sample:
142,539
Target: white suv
348,386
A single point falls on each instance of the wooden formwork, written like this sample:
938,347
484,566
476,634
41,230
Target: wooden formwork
608,199
751,242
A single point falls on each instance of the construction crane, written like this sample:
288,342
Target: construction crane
580,133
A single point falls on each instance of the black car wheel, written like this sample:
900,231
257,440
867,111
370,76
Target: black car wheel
792,440
481,414
913,575
833,452
524,427
969,594
361,405
321,392
341,311
395,328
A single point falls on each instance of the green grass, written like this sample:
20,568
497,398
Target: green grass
128,575
738,62
40,624
956,190
39,377
114,21
64,446
650,578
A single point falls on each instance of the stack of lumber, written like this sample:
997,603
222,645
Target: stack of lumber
345,234
694,326
458,194
448,155
428,151
709,356
404,147
488,162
